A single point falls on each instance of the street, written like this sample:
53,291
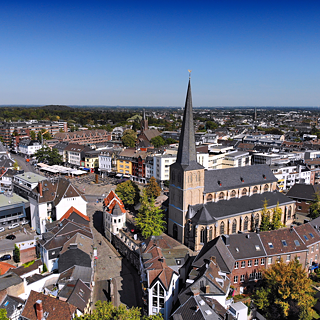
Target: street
111,266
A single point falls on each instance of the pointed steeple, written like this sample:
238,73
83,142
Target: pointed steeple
187,146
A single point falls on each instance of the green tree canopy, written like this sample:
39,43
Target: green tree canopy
276,218
285,293
32,135
129,138
128,192
3,314
315,207
107,311
153,190
211,125
46,154
150,218
265,217
16,254
158,141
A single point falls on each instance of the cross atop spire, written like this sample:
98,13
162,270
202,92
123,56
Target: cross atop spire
187,156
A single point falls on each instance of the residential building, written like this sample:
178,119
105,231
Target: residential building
236,159
29,147
75,153
61,147
92,160
13,306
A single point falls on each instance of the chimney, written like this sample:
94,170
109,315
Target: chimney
40,188
226,239
195,292
39,310
258,230
213,259
207,289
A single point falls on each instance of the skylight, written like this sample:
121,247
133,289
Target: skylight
237,249
305,237
284,243
297,243
257,247
270,245
311,235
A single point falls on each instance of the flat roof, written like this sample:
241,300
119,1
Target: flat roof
30,177
6,200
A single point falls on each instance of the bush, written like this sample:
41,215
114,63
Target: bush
16,254
45,268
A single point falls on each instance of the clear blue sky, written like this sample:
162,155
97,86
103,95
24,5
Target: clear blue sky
249,53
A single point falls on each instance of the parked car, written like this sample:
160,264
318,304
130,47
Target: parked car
6,257
14,225
11,237
25,222
2,229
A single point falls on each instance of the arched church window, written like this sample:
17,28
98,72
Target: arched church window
195,177
289,213
256,220
234,226
203,235
210,233
245,224
266,187
255,190
232,194
175,232
209,197
222,227
221,196
244,192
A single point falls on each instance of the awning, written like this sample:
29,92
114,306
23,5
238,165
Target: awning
126,176
119,175
86,169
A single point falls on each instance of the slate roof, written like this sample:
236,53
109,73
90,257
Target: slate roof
11,303
151,133
82,242
80,295
54,308
215,248
9,279
75,273
55,191
275,238
74,214
303,191
235,206
231,178
246,246
187,156
22,270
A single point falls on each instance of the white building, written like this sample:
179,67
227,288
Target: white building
29,147
105,162
50,200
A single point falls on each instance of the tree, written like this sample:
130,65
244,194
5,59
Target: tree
158,141
170,141
32,135
44,268
3,314
107,311
16,254
153,190
128,192
265,217
46,154
129,138
150,218
286,292
276,218
315,207
15,165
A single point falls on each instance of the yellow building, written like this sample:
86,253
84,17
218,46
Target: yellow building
124,161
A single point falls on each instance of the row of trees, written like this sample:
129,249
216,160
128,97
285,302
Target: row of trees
268,222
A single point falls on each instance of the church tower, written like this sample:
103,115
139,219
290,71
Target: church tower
186,176
144,122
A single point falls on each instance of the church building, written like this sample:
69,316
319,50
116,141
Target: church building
204,204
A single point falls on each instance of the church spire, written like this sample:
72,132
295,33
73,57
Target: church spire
187,147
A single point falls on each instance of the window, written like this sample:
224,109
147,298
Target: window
210,233
222,227
236,265
256,220
266,188
245,225
249,263
257,247
255,190
312,249
270,245
243,264
202,235
262,261
232,194
305,237
221,196
115,220
244,192
235,279
288,257
289,213
298,257
256,262
270,260
209,197
234,226
299,208
311,235
297,243
284,243
119,220
242,278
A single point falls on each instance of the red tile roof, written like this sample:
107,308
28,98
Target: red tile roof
4,267
111,200
70,211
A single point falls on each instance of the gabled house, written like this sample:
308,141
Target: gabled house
40,306
13,305
51,199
